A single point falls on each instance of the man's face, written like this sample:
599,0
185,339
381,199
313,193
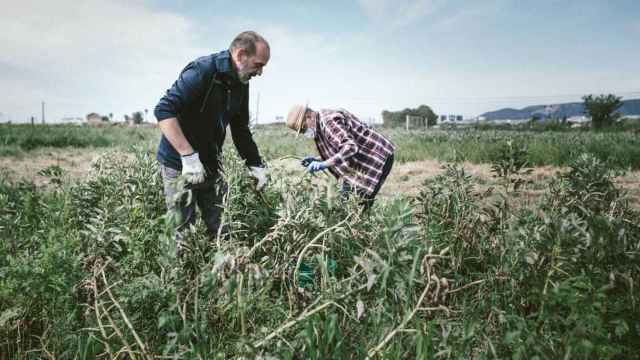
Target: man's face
250,66
308,118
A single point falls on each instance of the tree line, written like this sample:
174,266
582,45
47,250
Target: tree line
602,110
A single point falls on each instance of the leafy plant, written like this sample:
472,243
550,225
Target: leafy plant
88,269
511,166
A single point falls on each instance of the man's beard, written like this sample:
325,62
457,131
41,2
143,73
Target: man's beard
243,75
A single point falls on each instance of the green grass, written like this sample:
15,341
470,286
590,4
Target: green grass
15,139
618,147
621,149
88,270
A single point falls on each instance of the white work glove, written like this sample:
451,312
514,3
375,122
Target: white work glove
260,174
192,169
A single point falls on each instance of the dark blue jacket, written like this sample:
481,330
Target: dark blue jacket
205,99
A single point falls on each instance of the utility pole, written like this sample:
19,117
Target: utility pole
257,108
43,113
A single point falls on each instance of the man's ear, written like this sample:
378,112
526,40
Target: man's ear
241,54
235,55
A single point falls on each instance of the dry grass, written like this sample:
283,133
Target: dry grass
405,179
408,177
74,162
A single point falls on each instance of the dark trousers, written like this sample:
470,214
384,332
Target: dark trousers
368,199
182,201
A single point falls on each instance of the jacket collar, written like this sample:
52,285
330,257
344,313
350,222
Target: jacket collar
223,62
224,67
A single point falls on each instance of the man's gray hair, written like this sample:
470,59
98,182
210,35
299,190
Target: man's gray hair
247,40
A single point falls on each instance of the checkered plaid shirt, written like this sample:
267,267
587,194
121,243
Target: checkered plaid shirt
355,152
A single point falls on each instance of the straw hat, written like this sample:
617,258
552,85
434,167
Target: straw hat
296,117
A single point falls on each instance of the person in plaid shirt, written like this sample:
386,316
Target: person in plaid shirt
352,151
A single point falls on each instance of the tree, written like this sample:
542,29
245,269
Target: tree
395,118
427,113
398,118
602,109
137,117
93,117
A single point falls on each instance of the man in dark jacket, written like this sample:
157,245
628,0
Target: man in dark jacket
210,93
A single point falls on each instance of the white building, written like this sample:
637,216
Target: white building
578,119
450,119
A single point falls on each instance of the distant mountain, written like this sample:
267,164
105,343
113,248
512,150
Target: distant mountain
629,107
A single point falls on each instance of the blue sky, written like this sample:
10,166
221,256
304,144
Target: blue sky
459,57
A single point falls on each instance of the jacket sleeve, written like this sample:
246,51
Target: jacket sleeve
338,134
242,137
182,93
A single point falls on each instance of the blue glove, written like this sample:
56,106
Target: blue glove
316,166
308,160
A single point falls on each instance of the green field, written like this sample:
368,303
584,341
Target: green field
88,267
618,148
20,139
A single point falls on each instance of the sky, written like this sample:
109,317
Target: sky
457,56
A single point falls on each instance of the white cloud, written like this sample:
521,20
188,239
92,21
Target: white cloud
304,66
86,56
398,13
120,56
471,15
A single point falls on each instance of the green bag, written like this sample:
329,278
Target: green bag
307,272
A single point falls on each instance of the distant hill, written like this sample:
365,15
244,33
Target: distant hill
629,107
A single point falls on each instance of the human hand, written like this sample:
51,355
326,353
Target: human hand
192,168
316,166
308,160
260,174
